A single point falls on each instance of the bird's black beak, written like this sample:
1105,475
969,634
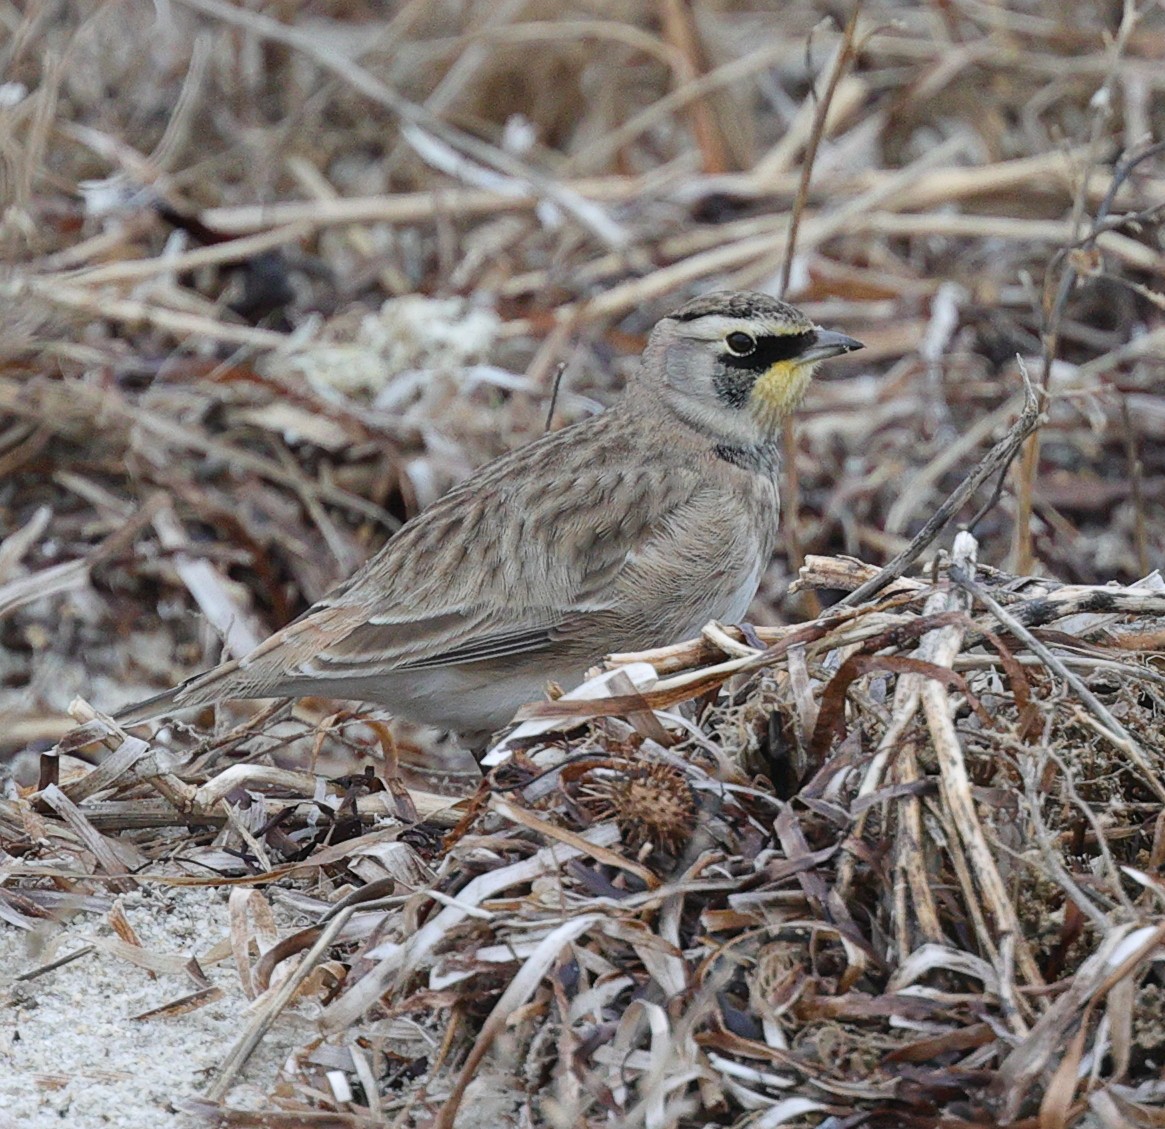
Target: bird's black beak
826,344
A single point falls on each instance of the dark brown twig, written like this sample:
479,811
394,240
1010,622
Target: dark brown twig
1137,487
559,370
1053,308
845,56
791,485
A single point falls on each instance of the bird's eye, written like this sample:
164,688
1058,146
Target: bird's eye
740,343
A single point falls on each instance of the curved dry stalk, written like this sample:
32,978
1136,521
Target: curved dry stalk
997,458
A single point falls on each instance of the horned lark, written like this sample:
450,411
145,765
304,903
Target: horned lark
627,531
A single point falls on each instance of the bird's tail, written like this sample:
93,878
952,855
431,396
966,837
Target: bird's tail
210,686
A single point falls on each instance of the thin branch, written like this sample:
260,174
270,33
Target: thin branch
792,487
1053,309
841,63
998,457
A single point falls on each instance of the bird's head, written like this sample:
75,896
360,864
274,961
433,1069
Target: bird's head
734,364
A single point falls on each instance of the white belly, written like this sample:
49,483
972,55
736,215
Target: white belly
738,602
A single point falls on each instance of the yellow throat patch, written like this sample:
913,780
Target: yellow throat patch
779,391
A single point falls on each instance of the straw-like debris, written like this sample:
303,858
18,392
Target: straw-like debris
951,903
275,278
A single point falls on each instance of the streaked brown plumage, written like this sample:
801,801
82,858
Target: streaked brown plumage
629,530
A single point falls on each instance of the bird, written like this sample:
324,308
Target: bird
629,530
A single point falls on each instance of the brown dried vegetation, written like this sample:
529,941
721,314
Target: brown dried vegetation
275,279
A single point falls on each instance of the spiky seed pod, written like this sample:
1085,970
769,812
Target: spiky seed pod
651,803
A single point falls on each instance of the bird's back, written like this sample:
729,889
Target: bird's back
612,534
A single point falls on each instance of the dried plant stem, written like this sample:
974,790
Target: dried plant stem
999,456
416,117
1061,284
911,861
266,1015
792,486
680,31
941,648
1109,726
841,63
178,322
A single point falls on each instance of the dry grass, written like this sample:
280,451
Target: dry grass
271,287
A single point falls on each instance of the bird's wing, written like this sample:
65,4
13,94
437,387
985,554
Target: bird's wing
652,575
458,636
491,569
454,627
335,644
521,559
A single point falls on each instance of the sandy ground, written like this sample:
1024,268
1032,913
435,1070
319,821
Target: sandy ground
71,1051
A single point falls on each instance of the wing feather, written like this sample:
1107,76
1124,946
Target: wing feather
551,551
